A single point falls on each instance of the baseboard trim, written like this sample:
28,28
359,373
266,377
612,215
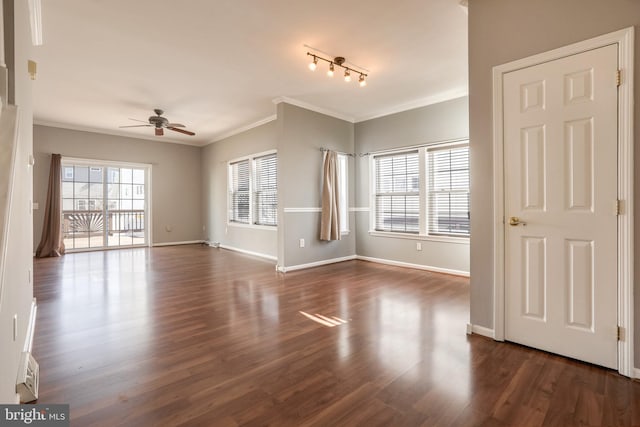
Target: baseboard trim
186,242
283,269
31,327
246,252
480,330
636,373
416,266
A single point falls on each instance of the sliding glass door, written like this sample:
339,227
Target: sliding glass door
104,205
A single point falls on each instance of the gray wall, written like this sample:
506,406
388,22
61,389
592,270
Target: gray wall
503,31
17,286
176,176
438,122
301,135
263,240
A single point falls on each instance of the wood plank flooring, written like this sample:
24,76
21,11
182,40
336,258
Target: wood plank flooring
196,336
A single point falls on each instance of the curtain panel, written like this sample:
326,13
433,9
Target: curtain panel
51,243
330,220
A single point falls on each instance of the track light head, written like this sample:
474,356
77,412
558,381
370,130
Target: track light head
347,75
313,65
362,81
331,68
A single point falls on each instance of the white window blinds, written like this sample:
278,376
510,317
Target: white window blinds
448,190
397,192
239,192
266,190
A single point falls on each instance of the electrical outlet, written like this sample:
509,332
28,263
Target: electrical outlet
418,246
302,243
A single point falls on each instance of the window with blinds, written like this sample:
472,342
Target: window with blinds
239,191
397,192
266,190
424,191
253,190
448,190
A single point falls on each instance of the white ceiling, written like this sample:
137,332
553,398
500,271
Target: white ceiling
217,66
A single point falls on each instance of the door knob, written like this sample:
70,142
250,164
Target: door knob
514,221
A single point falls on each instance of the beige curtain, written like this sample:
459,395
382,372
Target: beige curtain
330,221
51,243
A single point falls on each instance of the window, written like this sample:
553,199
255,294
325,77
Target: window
253,190
239,181
266,192
68,172
448,199
424,192
397,197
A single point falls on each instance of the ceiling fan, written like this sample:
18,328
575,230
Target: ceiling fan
160,123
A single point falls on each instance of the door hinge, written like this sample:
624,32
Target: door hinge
620,333
618,77
617,207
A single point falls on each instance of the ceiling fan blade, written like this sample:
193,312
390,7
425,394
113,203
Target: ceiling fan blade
186,132
136,120
134,126
175,125
159,132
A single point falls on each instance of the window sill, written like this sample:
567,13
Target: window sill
253,226
422,237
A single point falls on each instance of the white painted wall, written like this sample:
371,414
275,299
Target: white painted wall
18,289
501,32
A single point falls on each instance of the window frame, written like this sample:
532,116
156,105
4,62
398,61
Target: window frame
423,220
252,192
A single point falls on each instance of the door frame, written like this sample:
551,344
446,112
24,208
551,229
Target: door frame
624,39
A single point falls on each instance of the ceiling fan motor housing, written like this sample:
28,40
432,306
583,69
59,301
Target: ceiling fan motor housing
158,121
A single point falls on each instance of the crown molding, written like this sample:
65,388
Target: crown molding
243,129
314,108
418,103
110,132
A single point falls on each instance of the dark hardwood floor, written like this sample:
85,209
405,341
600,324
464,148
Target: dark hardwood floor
198,336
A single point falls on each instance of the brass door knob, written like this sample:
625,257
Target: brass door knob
515,221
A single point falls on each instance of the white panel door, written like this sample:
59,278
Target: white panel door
560,133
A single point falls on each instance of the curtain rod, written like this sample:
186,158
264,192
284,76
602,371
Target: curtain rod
339,152
426,144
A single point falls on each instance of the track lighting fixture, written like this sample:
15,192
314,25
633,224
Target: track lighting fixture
339,61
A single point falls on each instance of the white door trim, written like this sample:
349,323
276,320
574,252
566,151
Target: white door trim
624,39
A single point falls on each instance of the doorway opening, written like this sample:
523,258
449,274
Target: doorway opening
104,204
